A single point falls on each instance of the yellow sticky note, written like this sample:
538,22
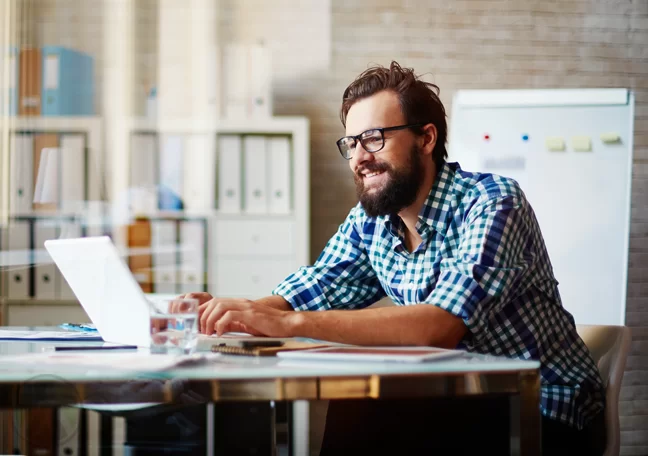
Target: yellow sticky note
582,143
555,143
610,137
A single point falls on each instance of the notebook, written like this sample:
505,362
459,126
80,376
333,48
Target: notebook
265,351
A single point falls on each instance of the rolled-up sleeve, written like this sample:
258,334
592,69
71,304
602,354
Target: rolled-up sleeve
341,278
488,264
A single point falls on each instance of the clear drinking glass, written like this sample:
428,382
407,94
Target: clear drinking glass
174,326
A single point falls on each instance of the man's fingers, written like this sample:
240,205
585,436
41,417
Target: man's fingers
204,312
230,320
202,307
216,310
215,314
202,297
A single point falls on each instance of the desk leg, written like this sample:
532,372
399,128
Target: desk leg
300,424
528,441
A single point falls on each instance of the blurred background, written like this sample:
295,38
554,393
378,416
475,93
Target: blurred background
200,134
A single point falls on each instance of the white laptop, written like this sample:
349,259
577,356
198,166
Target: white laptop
105,287
112,298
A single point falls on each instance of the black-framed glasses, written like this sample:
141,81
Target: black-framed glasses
372,140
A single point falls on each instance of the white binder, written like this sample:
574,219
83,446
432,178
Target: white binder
73,168
67,230
256,182
45,270
68,423
229,173
3,266
280,188
260,73
48,179
143,173
20,258
199,173
21,177
165,264
171,169
235,80
192,256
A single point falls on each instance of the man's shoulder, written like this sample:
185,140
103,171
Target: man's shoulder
477,186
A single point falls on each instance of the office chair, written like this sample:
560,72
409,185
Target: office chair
609,346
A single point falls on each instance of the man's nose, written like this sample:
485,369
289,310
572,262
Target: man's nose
360,155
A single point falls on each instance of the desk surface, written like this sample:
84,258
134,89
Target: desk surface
230,377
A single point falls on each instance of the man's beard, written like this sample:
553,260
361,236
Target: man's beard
398,192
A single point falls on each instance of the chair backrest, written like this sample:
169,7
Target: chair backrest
609,346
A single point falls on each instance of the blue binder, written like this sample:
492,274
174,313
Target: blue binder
67,82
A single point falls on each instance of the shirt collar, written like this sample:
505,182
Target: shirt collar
437,208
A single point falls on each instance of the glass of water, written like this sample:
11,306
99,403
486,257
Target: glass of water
174,326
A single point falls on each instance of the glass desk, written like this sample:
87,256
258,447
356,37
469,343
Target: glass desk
239,379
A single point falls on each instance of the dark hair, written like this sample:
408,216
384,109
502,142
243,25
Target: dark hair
419,100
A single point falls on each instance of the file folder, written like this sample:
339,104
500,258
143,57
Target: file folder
192,256
47,190
171,173
46,141
18,272
29,87
165,260
256,183
200,171
68,229
41,431
260,89
3,284
9,86
21,178
235,81
68,427
140,264
73,171
280,188
143,172
45,273
68,82
229,173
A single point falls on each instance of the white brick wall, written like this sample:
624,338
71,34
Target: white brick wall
460,44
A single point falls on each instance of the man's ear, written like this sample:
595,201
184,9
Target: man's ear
429,138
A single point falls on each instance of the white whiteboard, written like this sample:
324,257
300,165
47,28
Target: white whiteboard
581,198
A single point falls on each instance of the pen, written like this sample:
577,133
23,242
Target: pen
94,347
78,327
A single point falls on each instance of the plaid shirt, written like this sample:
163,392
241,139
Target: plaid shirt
483,259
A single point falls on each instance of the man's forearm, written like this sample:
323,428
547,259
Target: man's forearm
276,302
423,324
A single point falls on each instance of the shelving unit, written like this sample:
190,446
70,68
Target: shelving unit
240,253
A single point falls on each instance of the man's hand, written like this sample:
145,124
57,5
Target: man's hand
221,315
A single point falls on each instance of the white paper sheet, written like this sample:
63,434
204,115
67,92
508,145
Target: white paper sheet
141,361
7,334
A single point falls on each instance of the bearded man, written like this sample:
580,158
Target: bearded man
459,253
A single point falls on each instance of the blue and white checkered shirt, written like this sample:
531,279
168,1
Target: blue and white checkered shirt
483,259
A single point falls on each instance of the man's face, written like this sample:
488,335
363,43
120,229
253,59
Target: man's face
386,181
